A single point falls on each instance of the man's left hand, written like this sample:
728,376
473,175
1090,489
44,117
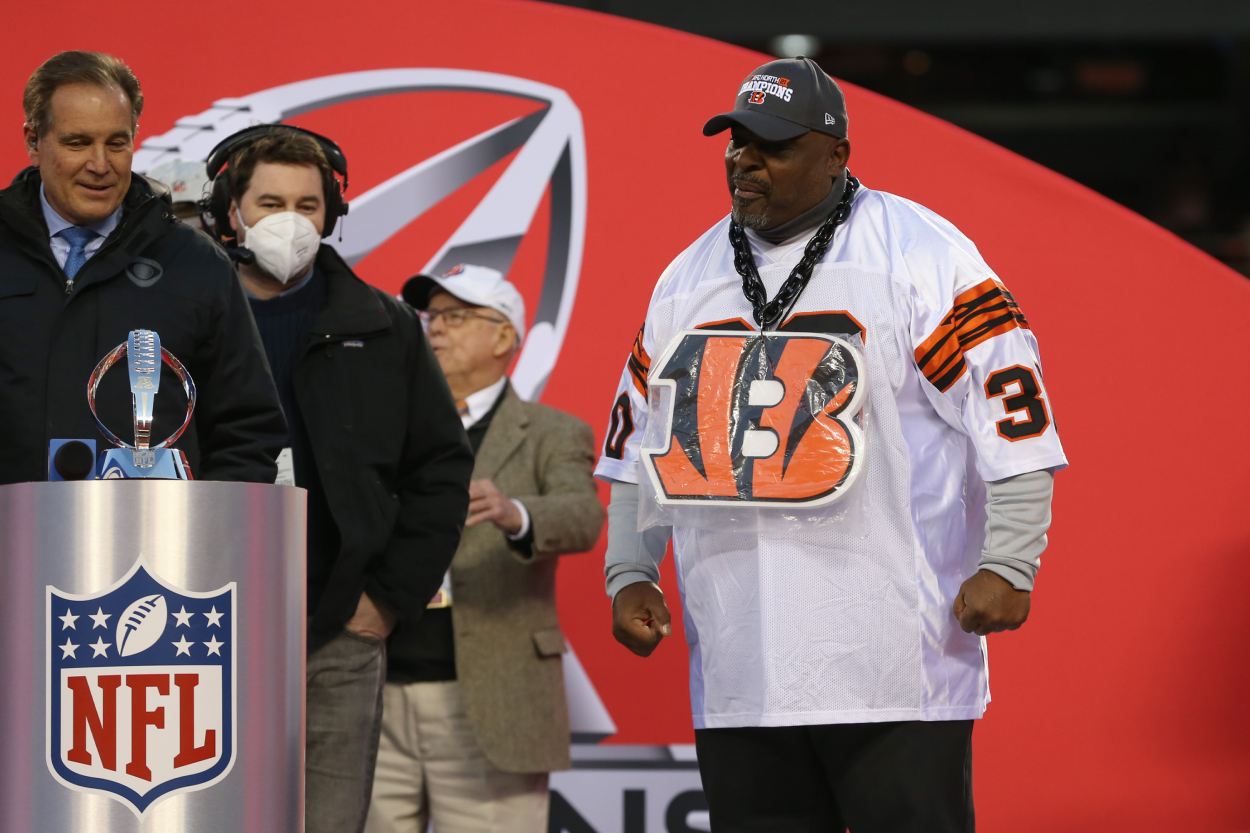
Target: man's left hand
371,619
987,603
487,503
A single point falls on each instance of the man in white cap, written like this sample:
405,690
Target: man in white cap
187,183
475,715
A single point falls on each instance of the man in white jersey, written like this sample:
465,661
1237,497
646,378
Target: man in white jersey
846,434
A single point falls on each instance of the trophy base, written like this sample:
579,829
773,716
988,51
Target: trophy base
144,463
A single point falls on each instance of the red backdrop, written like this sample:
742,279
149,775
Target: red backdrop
1121,704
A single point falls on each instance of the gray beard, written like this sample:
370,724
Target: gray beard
751,221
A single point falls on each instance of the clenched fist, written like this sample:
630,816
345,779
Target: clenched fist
987,603
640,618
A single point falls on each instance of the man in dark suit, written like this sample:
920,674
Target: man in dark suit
89,252
475,714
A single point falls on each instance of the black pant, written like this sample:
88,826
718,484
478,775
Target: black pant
913,777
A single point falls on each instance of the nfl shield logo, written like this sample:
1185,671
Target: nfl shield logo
140,688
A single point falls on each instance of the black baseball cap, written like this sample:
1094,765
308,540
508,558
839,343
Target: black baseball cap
783,100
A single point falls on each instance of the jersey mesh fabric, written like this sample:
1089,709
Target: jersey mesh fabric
823,626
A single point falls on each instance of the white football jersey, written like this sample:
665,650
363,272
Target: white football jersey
831,625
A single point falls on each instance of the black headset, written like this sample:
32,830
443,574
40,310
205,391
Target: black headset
215,208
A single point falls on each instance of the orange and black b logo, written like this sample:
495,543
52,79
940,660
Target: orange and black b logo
758,418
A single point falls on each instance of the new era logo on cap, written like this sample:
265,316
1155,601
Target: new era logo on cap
830,119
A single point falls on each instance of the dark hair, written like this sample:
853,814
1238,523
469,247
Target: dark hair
281,147
77,68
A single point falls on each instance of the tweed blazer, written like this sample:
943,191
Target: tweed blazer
508,638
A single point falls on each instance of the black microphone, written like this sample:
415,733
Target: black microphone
241,255
72,460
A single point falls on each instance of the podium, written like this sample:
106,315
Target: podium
152,647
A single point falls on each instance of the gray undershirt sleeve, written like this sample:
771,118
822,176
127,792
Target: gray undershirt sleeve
1017,516
632,556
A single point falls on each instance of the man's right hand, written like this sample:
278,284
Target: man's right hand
640,618
372,620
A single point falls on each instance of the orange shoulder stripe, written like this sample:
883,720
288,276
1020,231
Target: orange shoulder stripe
639,363
979,314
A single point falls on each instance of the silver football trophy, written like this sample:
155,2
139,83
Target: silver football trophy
142,460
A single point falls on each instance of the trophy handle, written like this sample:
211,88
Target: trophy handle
188,387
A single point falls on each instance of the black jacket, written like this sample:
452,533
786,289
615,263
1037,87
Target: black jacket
53,333
390,448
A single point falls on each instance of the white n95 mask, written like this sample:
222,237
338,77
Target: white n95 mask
283,243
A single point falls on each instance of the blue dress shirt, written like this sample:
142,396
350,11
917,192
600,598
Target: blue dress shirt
57,224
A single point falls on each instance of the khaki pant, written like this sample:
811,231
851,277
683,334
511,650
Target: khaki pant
345,680
430,769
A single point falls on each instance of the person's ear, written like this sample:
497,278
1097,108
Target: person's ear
234,220
32,143
839,155
505,339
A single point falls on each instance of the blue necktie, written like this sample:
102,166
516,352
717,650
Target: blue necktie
78,239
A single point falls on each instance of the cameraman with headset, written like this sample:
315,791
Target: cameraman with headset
374,437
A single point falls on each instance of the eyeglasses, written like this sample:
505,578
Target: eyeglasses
455,317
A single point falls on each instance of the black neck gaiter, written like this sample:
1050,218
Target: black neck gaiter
809,219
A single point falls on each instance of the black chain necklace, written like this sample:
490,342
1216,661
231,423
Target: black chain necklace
769,314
